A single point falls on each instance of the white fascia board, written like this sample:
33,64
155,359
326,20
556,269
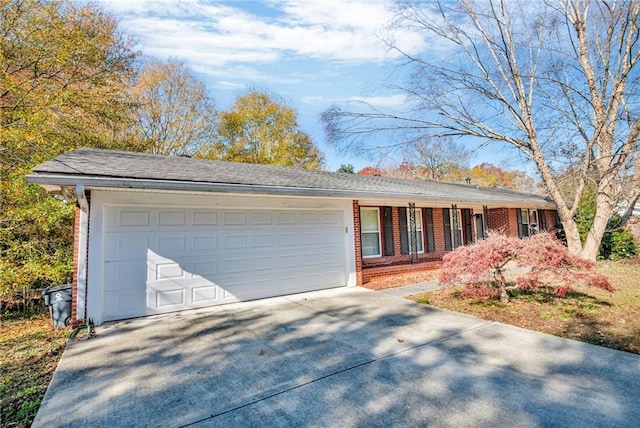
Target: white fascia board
47,179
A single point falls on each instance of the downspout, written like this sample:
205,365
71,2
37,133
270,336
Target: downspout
83,235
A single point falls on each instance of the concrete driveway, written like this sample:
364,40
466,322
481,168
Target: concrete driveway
342,357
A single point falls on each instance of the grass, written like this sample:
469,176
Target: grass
30,349
589,315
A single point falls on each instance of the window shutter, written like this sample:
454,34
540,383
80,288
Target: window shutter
431,239
404,234
446,216
388,231
542,218
468,230
520,225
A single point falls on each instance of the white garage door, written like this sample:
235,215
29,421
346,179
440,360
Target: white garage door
161,260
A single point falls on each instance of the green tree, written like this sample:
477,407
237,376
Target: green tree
346,168
174,114
260,128
64,69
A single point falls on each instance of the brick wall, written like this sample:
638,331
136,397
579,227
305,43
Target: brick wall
438,232
398,262
503,219
550,216
357,243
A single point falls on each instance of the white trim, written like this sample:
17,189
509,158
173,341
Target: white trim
81,274
371,256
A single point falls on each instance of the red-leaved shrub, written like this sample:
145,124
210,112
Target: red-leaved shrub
480,267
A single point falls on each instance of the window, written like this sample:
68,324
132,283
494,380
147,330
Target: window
527,222
370,232
405,231
543,219
452,228
419,236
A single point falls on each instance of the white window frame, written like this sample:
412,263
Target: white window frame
362,232
419,232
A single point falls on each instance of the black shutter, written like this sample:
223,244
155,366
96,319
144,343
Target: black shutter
468,230
446,216
404,233
387,218
520,225
542,219
431,239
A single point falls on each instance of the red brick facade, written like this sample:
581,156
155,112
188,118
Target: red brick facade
357,243
503,219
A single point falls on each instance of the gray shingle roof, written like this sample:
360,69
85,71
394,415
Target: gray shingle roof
140,169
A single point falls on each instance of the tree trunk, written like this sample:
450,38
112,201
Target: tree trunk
594,237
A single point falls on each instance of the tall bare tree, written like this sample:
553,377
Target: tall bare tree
557,80
436,156
174,114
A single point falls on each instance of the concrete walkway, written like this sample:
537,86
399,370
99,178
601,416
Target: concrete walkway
341,357
411,289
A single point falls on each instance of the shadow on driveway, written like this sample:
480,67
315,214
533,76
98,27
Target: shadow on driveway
341,357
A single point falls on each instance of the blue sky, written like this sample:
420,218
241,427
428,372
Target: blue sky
313,53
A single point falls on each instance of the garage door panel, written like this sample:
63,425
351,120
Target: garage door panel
171,218
173,299
204,294
124,274
125,303
126,247
205,243
164,259
235,241
204,218
204,268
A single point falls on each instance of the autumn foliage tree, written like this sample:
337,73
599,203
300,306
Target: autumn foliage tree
173,111
480,267
64,69
260,128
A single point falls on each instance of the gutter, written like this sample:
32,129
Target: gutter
48,179
83,239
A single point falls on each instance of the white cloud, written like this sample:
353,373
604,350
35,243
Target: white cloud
224,34
383,101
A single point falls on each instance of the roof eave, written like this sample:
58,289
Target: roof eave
51,181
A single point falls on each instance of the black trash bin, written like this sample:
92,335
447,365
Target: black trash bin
58,298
